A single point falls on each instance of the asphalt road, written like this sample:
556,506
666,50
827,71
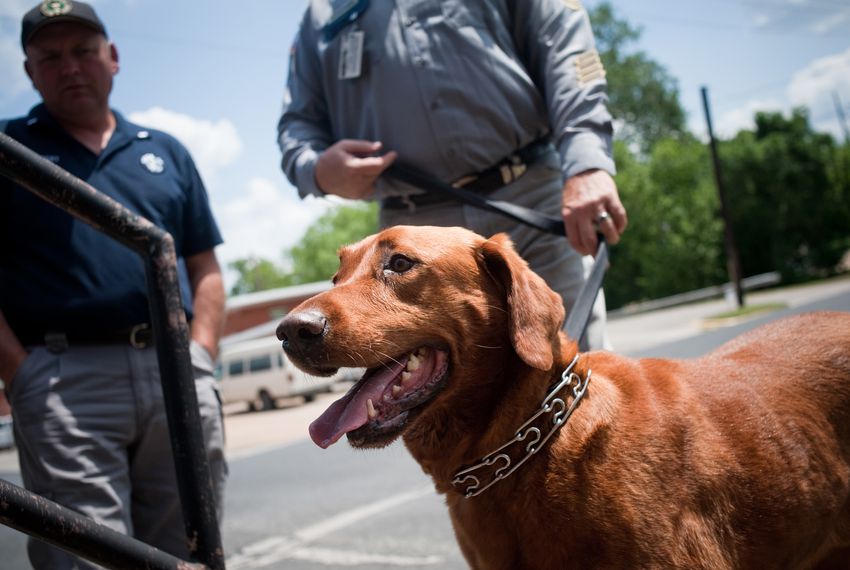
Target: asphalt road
296,506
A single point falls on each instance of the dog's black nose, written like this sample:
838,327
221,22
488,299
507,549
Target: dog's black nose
300,329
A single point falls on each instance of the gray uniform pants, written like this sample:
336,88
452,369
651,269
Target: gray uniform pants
550,256
92,435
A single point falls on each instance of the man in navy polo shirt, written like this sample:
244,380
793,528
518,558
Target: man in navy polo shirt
76,352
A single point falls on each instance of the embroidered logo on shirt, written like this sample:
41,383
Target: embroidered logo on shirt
153,163
589,68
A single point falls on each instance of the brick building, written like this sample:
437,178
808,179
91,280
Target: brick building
256,311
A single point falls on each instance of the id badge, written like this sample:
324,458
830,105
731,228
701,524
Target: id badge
351,55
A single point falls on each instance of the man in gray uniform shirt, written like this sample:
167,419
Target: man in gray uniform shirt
501,97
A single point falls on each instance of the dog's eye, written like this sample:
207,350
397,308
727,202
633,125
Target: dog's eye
399,264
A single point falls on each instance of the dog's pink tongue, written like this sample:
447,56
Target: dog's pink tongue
349,412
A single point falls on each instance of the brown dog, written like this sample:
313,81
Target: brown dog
738,459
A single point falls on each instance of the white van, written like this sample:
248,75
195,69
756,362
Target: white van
258,372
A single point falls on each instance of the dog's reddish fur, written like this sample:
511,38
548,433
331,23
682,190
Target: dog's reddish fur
738,459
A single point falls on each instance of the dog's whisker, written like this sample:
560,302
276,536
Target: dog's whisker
354,358
388,357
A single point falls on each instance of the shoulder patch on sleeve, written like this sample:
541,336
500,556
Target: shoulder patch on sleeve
589,67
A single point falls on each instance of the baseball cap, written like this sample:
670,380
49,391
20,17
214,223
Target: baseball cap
54,11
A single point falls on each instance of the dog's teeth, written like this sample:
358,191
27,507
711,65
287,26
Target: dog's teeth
370,409
397,390
413,363
405,377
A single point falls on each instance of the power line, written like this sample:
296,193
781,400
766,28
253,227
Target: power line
280,53
818,5
842,118
765,87
725,27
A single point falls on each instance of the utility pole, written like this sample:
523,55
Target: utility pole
842,118
733,260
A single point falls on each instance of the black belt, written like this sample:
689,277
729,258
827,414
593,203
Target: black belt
137,336
508,170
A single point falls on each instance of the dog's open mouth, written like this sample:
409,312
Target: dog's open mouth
378,407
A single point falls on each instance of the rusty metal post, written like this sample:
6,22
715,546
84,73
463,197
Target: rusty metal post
168,320
80,535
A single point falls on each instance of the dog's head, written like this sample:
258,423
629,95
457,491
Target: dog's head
432,314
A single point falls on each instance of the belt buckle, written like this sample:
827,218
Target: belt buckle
512,170
134,341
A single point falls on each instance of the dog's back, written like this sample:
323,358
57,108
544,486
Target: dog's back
791,379
749,446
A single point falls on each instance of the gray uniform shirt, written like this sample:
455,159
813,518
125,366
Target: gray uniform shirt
453,86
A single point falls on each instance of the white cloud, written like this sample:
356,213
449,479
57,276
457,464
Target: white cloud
730,122
815,85
812,87
263,221
213,145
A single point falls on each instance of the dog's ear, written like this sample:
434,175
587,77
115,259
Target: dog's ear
536,312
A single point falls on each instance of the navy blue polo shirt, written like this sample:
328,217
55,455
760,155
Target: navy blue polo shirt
59,274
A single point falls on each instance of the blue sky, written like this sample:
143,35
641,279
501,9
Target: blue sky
212,74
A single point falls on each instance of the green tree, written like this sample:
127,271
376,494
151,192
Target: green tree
257,274
789,196
674,240
314,258
643,97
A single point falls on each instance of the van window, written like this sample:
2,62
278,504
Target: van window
259,363
280,360
236,368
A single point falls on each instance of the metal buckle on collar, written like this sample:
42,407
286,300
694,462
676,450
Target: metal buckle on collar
136,342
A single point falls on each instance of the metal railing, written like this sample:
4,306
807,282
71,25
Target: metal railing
748,283
62,527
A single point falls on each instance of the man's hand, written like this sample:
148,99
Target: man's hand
349,168
590,203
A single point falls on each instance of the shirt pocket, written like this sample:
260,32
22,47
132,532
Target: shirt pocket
479,24
466,15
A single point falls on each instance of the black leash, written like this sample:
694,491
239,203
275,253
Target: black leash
580,313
